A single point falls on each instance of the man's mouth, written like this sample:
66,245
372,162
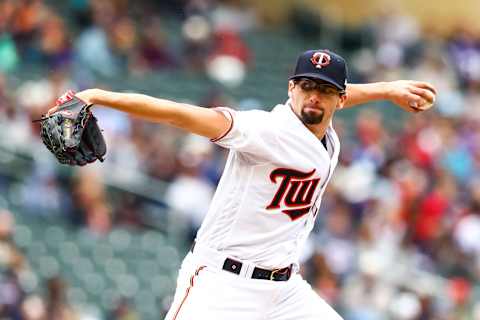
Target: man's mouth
313,108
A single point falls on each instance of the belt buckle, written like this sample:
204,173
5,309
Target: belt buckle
286,270
274,271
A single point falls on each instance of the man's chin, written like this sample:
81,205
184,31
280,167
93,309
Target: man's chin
314,117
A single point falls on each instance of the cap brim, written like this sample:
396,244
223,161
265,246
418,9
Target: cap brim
319,77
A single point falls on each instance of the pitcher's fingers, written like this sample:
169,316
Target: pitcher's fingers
52,111
426,94
414,99
425,85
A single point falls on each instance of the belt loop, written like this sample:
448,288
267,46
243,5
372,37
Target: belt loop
247,270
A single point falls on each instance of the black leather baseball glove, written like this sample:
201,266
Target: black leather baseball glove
72,133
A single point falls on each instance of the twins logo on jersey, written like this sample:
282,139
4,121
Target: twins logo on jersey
295,191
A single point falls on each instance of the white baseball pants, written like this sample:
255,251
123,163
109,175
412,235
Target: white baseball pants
206,292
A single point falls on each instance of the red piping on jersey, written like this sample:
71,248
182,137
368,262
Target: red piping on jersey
188,291
229,129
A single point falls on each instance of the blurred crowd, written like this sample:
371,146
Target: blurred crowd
399,237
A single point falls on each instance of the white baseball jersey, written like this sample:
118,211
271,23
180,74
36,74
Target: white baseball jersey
271,188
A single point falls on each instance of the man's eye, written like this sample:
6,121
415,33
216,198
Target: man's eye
327,90
308,86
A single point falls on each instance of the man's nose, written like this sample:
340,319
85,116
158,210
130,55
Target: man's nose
315,97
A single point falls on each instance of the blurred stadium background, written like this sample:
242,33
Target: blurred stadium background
399,236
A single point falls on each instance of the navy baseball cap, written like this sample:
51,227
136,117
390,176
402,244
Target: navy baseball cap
322,65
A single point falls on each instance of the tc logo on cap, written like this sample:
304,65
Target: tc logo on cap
320,59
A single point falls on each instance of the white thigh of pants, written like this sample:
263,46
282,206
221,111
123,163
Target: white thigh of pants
207,292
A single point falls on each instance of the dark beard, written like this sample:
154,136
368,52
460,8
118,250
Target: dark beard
311,118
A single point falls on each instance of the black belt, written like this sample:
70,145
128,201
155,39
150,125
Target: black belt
235,266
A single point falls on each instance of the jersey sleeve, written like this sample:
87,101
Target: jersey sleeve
250,131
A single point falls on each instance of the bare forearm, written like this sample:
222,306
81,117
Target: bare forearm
149,108
198,120
412,96
364,93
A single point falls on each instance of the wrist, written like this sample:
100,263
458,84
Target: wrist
89,96
386,91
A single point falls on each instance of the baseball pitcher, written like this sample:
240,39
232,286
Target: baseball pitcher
244,262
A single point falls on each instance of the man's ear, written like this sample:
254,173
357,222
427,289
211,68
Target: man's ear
291,84
342,101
